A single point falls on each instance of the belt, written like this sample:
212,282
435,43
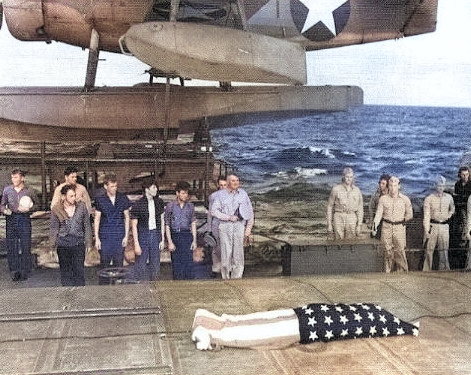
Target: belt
180,231
432,221
345,211
403,222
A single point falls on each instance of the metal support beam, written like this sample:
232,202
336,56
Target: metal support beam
43,176
92,61
174,5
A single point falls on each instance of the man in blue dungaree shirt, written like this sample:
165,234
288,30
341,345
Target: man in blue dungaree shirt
111,225
180,227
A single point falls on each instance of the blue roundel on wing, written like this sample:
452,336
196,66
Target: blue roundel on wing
320,20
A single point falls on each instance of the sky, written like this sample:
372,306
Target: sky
426,70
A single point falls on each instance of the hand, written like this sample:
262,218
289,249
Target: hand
248,240
171,246
234,218
137,249
161,245
193,245
98,243
23,209
124,242
374,232
7,211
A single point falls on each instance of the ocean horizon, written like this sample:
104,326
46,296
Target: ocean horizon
415,143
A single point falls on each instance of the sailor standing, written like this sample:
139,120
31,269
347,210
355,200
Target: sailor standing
438,210
345,208
394,210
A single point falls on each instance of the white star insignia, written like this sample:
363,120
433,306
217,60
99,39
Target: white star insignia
352,308
344,319
358,331
383,318
329,335
339,309
385,332
400,331
365,307
311,322
373,330
358,317
415,332
344,332
371,316
328,320
324,308
309,311
397,321
321,10
313,336
379,308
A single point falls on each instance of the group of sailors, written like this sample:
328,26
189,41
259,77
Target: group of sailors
445,216
114,217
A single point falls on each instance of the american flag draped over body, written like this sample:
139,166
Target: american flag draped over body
322,322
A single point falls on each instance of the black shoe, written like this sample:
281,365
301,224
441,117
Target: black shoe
16,276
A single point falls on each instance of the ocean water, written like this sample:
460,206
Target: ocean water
415,143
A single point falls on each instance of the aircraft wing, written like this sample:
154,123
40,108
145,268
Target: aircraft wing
317,24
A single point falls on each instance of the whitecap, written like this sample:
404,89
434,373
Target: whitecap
310,172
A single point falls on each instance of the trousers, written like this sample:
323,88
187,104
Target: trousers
231,235
393,239
149,241
439,238
71,265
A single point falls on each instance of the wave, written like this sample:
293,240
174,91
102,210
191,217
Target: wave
300,172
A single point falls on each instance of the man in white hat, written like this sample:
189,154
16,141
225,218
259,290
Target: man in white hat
345,208
18,202
438,210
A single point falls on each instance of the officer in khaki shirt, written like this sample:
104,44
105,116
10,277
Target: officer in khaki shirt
394,210
345,208
438,209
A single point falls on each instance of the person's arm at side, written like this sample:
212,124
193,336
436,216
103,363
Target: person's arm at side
87,229
451,210
4,204
162,232
88,202
409,212
126,228
171,245
193,233
96,227
360,213
378,217
135,236
426,220
330,207
53,231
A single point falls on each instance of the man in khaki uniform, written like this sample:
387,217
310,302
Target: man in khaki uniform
438,210
345,208
394,210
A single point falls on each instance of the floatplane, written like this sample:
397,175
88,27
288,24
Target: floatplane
261,42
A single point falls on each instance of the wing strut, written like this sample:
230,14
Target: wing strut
174,5
92,61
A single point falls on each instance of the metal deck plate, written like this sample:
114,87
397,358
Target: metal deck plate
88,330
